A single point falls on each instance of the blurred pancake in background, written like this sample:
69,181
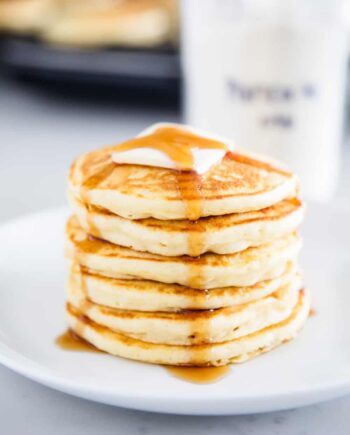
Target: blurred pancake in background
132,23
25,16
128,45
92,23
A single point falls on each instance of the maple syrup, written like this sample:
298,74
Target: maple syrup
69,340
199,375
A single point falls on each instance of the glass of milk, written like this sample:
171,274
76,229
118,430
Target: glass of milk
271,75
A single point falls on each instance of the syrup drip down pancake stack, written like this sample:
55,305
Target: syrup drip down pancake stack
179,265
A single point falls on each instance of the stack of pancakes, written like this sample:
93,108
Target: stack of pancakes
172,268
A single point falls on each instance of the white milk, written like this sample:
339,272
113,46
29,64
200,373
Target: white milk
271,76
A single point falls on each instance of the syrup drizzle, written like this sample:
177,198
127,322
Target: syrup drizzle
92,182
312,312
92,228
177,144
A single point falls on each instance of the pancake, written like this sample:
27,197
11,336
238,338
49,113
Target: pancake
172,267
191,327
214,354
142,295
220,234
139,23
24,16
239,183
207,271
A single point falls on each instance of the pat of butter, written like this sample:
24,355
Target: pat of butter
203,158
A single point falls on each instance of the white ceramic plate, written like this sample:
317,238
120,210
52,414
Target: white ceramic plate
314,367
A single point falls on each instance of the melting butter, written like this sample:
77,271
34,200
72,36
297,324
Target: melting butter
173,146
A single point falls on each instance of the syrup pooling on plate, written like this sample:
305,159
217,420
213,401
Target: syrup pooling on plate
69,340
312,312
199,375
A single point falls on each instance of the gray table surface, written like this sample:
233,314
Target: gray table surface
40,133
